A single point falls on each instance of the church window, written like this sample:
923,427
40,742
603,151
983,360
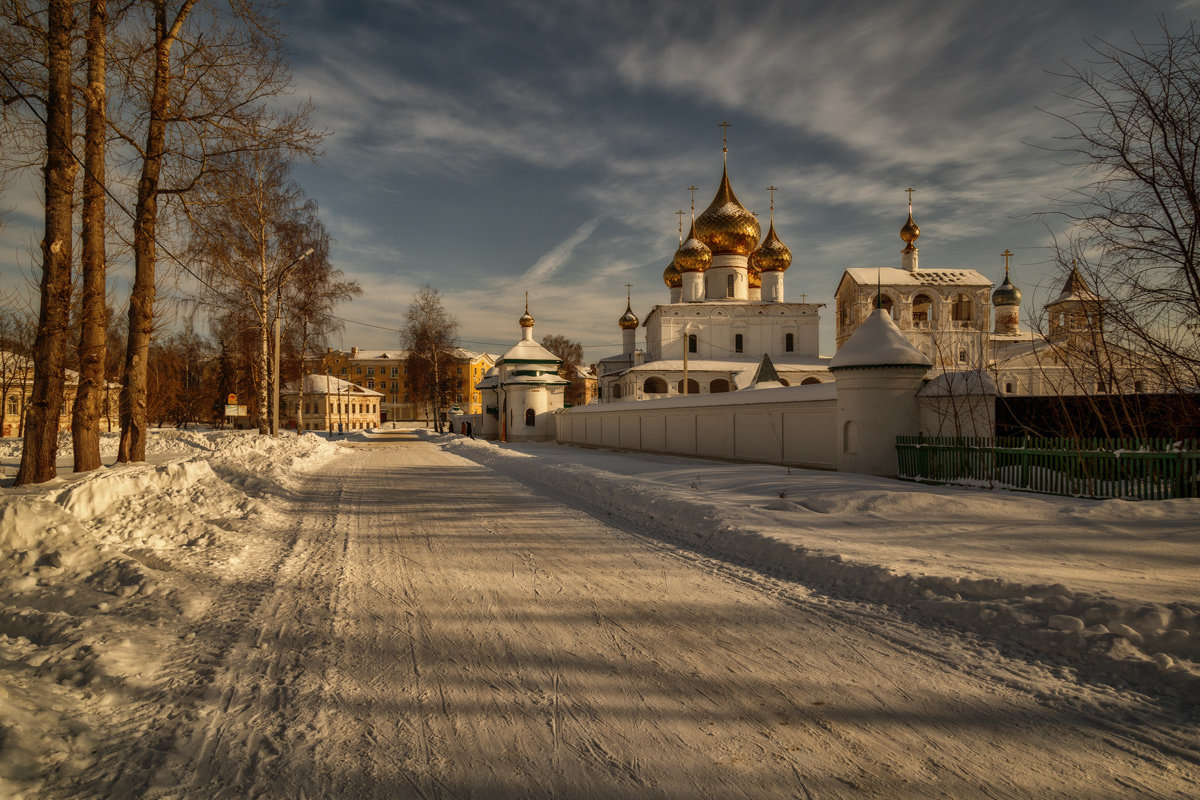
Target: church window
962,356
616,391
729,285
737,343
1008,388
691,342
718,385
809,381
961,311
692,387
529,416
654,385
920,309
789,342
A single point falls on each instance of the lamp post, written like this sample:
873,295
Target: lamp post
278,314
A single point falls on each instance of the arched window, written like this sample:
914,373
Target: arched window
718,385
616,391
961,310
809,381
729,279
691,342
692,387
850,437
737,343
920,309
886,304
789,342
654,385
529,416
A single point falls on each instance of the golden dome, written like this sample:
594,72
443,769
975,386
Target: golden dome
726,226
693,255
754,275
773,256
671,276
628,320
910,231
526,319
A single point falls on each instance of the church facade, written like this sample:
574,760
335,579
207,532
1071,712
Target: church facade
725,310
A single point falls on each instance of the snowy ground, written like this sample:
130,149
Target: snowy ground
391,617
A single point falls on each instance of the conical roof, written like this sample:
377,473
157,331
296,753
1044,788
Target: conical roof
878,343
773,256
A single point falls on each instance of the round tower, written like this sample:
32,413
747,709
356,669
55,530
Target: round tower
878,374
1007,302
629,325
909,234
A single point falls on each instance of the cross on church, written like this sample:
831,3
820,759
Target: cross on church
910,190
1007,255
724,126
693,190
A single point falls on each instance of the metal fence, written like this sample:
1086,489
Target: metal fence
1132,469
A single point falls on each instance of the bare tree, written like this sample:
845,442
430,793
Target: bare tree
252,233
428,333
1135,130
216,96
571,354
49,349
89,396
312,294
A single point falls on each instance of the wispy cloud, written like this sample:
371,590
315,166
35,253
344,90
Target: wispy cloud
552,261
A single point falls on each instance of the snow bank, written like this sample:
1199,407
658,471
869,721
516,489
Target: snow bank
732,512
86,560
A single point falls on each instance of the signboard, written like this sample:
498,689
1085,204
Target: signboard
232,410
231,400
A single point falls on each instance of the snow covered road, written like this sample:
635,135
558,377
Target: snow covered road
436,630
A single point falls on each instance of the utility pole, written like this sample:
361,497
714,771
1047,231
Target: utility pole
278,315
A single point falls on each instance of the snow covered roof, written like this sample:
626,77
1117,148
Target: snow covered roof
1074,288
529,351
324,384
878,343
893,276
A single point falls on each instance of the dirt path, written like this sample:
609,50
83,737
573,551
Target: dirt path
438,631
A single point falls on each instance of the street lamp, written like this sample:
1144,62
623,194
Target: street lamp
278,314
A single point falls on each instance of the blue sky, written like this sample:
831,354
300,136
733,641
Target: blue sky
496,147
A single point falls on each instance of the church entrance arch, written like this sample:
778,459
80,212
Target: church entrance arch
692,387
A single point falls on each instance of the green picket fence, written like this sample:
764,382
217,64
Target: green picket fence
1133,469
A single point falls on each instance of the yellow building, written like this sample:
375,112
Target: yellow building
385,371
330,404
16,387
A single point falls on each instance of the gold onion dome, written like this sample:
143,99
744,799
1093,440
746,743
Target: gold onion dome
910,231
693,255
628,320
754,275
1006,294
671,276
726,226
526,319
773,256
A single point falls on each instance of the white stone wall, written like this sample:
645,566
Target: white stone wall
792,426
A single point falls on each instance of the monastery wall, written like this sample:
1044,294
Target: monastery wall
792,426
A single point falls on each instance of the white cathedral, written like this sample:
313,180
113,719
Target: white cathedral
727,311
